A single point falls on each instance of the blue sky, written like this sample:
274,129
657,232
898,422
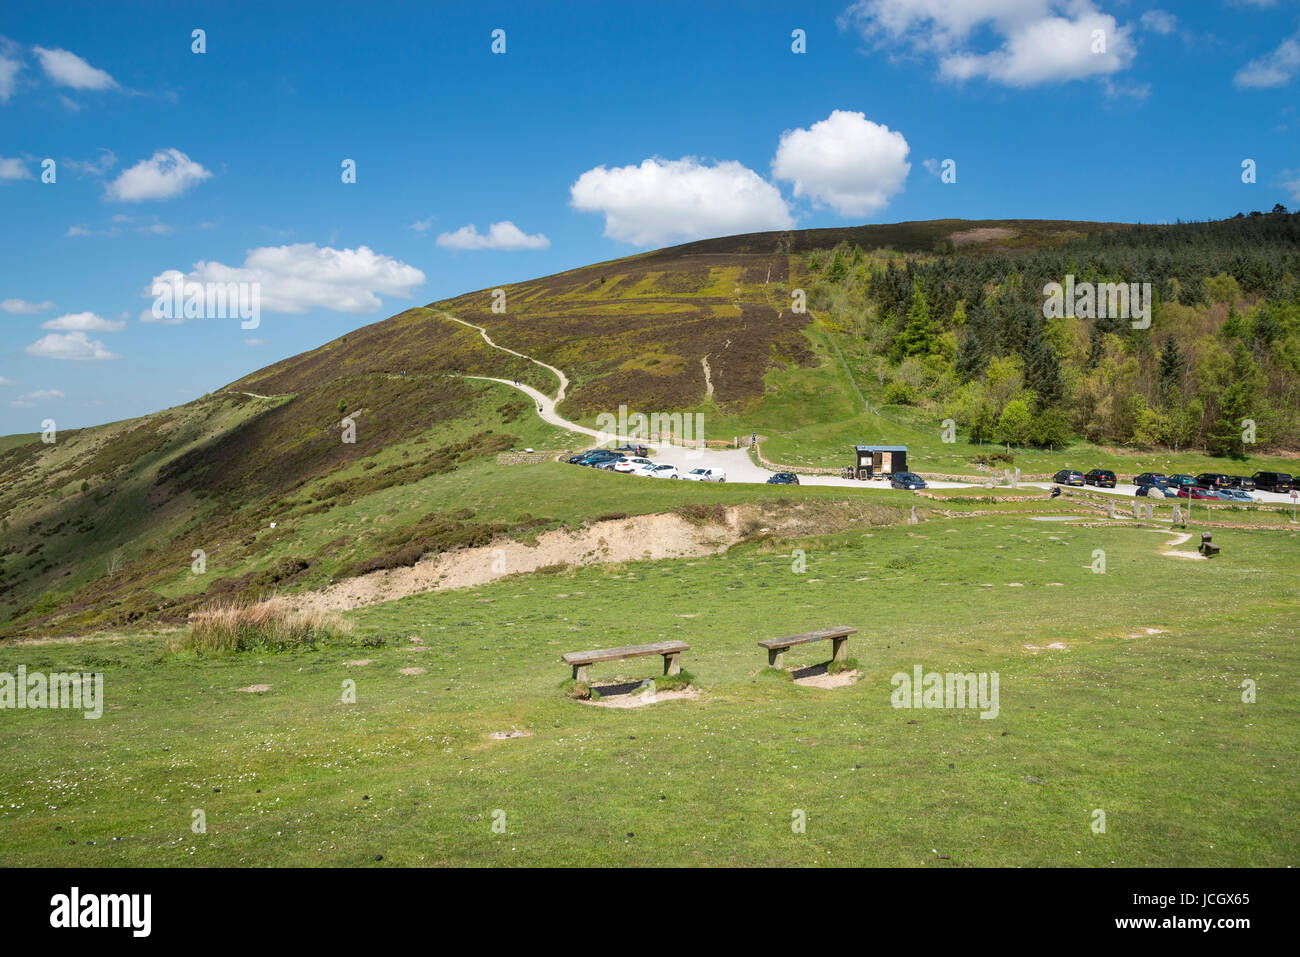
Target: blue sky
602,130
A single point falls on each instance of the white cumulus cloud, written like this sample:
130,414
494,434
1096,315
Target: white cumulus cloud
1033,41
22,307
9,67
664,200
13,169
304,276
503,235
1275,68
83,322
67,69
70,345
845,161
29,400
166,174
1160,21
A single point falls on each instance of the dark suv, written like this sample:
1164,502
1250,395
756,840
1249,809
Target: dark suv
1068,477
1213,480
783,478
1273,481
1242,482
907,480
1151,478
1102,478
595,457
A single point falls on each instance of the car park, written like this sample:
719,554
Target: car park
1102,478
706,475
663,471
1242,482
1273,481
1213,480
783,478
1068,477
1151,478
906,480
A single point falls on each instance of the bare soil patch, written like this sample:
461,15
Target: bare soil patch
816,676
987,234
634,694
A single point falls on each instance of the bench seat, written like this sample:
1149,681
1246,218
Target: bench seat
671,650
776,647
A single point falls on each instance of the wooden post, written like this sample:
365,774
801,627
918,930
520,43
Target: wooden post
776,657
580,673
673,663
841,650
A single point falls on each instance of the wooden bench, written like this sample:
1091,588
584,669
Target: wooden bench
840,636
671,650
1208,547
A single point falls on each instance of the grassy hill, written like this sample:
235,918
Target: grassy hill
102,529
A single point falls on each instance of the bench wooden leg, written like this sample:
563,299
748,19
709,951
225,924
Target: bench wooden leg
580,673
673,663
841,649
776,657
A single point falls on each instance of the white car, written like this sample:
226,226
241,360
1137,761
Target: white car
634,465
706,475
664,471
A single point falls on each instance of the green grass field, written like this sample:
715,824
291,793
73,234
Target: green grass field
1139,715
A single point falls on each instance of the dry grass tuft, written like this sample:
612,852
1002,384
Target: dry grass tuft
269,625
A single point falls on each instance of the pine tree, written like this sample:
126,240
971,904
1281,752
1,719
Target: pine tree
1170,375
918,336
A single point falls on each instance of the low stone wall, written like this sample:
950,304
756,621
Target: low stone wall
528,458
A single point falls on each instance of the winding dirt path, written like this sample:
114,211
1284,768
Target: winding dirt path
564,380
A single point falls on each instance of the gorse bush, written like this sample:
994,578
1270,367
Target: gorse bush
261,626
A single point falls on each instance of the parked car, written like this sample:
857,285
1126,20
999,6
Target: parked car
1195,492
664,471
1180,481
907,480
633,465
783,478
706,475
1213,480
594,456
1102,478
1273,481
1233,495
1151,491
631,450
1068,477
605,464
1242,482
1151,478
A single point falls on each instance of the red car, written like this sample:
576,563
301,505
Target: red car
1191,491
